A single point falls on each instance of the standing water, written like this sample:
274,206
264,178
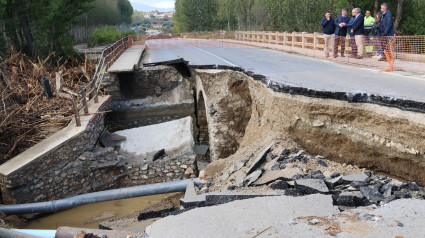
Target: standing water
90,215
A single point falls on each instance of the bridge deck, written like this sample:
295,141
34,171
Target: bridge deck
128,61
291,69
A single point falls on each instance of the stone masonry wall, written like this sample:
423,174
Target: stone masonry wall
228,111
162,170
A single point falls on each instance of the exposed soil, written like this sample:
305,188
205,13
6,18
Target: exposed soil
383,139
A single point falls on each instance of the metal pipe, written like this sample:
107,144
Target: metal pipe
108,195
6,233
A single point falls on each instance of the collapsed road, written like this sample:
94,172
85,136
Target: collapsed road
312,148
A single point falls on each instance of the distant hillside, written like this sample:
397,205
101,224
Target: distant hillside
146,8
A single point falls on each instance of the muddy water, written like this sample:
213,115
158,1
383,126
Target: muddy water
90,215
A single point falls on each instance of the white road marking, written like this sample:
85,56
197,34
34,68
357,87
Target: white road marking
218,57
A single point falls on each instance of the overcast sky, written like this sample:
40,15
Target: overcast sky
156,3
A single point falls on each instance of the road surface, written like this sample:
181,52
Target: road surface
291,69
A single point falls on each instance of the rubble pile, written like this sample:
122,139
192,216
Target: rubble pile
295,173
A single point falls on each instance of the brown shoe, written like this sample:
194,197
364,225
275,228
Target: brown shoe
342,55
359,57
335,56
352,56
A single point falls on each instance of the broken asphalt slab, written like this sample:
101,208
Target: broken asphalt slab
259,160
243,218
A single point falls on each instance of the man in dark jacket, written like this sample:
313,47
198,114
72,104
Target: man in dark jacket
386,29
340,32
358,30
328,31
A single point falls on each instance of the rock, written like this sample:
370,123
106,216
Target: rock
304,160
413,186
322,163
404,193
317,175
276,166
349,199
355,177
224,176
259,160
237,166
372,194
335,174
106,140
188,171
389,199
310,186
145,167
239,180
299,153
284,154
82,158
358,184
387,189
159,155
421,192
279,185
253,177
231,187
273,175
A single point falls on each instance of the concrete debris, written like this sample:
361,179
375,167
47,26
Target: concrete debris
190,190
372,194
239,180
191,202
224,176
355,177
172,136
310,186
255,214
279,184
253,177
350,199
259,160
272,175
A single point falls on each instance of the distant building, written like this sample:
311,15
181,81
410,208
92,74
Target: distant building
157,15
157,26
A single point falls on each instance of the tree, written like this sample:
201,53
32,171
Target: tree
126,11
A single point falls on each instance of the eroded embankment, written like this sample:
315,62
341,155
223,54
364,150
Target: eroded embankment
383,138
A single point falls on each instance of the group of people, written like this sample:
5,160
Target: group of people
378,29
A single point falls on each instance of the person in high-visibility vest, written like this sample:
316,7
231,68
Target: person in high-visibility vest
368,24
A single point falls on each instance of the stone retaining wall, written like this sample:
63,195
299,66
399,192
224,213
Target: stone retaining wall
52,175
162,170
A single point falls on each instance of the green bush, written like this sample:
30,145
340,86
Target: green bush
105,35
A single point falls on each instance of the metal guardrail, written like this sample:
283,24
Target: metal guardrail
90,92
